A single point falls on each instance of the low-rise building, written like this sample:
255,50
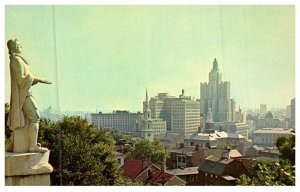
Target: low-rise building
162,178
220,171
267,136
191,156
123,120
256,151
239,128
188,174
148,173
213,139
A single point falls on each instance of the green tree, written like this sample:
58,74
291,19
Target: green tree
86,153
119,136
286,147
152,151
244,180
269,173
7,130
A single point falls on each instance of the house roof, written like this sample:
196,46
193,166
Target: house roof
274,130
183,150
214,165
229,178
218,152
212,136
160,177
234,153
185,171
133,167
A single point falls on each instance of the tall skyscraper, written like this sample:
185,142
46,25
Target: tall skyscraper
216,95
263,110
288,111
293,113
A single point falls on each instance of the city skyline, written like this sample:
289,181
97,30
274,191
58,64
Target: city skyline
108,55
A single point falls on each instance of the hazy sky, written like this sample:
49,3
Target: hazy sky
108,55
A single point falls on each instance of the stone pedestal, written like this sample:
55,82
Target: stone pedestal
21,138
26,169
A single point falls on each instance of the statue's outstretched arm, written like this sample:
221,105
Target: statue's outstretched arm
40,80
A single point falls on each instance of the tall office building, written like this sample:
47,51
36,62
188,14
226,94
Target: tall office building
292,124
262,110
182,114
288,111
215,94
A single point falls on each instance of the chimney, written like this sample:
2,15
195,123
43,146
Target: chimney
197,147
182,92
225,153
144,163
181,145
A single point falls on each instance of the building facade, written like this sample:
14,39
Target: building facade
181,114
151,127
239,128
267,137
122,120
292,122
262,110
215,94
220,171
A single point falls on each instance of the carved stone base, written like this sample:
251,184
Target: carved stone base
27,169
32,180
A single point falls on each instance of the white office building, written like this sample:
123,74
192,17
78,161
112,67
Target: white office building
123,120
182,114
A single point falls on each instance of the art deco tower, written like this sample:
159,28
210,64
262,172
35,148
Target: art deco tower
216,95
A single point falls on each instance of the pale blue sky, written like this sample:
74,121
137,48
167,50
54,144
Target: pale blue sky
108,55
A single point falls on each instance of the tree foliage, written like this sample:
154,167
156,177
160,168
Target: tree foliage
269,173
152,151
86,153
286,147
7,130
119,136
276,173
244,180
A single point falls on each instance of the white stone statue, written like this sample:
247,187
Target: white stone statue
23,118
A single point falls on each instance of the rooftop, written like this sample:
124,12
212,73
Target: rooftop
160,177
186,171
229,178
212,136
274,130
214,165
133,167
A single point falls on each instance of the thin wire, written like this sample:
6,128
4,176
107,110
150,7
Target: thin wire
222,42
57,93
245,53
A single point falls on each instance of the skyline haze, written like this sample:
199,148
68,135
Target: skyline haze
108,55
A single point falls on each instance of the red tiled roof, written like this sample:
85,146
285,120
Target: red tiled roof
160,177
133,167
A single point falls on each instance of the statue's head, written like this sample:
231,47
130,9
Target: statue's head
13,46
